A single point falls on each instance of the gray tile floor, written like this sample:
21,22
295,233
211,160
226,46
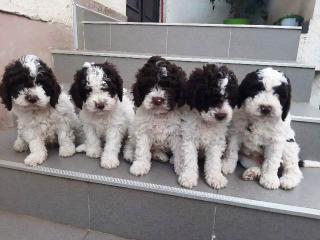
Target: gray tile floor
14,226
163,174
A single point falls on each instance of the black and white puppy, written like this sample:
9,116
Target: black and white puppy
44,114
105,111
262,133
211,94
155,133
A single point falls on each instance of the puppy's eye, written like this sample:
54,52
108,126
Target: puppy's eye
104,89
87,88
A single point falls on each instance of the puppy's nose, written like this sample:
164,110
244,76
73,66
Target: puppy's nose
220,116
99,105
157,101
32,98
265,109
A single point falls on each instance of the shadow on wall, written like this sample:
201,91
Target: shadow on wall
21,36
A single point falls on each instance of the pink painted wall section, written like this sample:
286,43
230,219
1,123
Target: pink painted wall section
19,36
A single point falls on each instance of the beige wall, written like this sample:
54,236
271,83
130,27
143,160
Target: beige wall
280,8
19,36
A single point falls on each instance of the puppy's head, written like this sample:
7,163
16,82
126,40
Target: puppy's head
213,91
266,93
159,86
28,83
97,87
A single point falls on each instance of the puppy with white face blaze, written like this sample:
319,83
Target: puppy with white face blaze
211,94
45,115
155,132
261,131
105,111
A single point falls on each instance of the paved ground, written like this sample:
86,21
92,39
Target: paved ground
21,227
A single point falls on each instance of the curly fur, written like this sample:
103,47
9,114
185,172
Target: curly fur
156,128
44,115
262,133
105,111
211,93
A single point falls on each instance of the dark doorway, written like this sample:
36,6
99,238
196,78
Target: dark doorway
143,10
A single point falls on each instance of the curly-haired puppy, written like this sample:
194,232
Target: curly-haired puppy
105,111
262,133
44,114
155,133
211,94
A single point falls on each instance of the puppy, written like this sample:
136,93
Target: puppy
155,133
45,115
105,111
211,93
262,133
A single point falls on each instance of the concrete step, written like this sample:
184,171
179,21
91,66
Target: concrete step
77,192
66,62
80,14
201,40
22,227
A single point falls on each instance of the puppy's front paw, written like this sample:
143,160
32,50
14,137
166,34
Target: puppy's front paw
67,151
20,146
288,182
270,181
93,152
188,179
140,168
81,148
109,162
228,168
216,180
34,159
251,174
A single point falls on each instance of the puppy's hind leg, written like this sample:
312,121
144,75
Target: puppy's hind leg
251,174
20,145
160,155
292,174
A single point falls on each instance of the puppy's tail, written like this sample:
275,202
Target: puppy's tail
309,164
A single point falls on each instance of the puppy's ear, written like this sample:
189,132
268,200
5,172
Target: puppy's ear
56,90
137,95
11,71
287,103
192,87
4,94
112,72
75,90
181,77
233,89
246,86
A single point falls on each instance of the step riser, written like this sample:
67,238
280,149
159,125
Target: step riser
138,214
307,136
82,14
202,41
301,78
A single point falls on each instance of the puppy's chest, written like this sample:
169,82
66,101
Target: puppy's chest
256,136
42,125
206,135
161,131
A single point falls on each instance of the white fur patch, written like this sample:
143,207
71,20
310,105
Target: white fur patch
271,78
223,85
32,63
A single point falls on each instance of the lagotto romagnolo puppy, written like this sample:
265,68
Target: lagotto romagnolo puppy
45,115
261,131
155,133
211,93
105,111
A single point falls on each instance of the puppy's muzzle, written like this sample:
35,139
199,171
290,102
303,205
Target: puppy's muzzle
157,101
32,98
220,116
99,105
265,109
